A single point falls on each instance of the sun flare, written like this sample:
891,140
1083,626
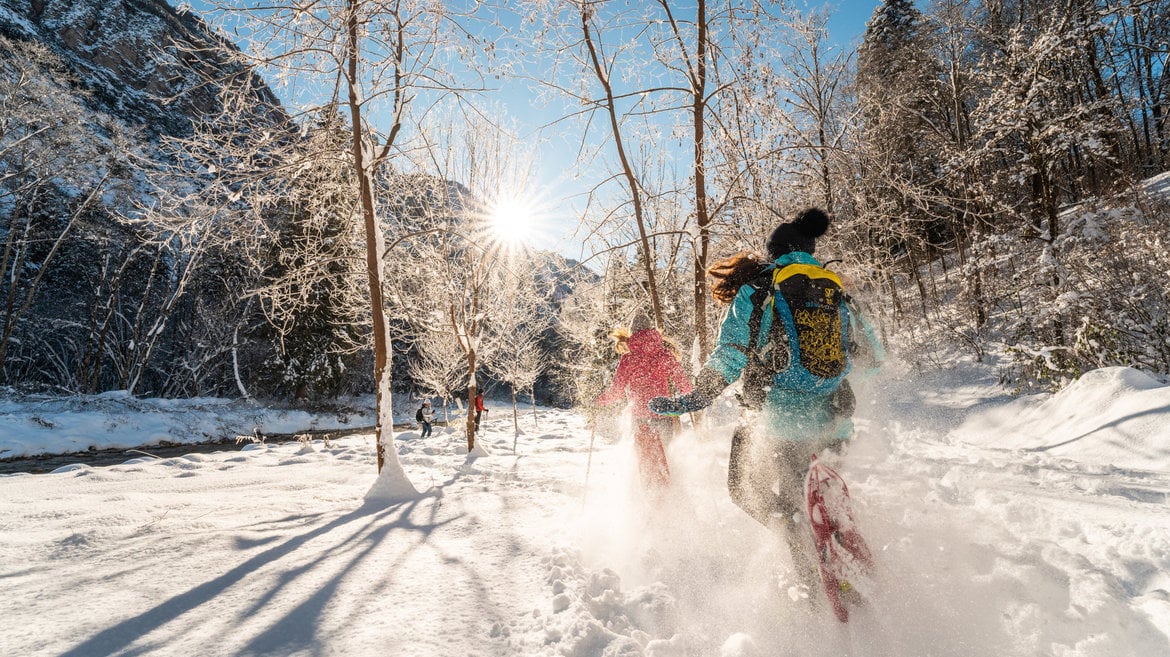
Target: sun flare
513,220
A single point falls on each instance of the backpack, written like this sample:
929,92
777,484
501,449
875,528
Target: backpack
807,349
418,415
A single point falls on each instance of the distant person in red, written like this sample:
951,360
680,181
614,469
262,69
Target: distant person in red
648,368
479,409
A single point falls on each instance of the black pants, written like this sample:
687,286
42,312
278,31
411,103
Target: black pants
766,477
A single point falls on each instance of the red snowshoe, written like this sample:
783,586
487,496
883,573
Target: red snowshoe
843,556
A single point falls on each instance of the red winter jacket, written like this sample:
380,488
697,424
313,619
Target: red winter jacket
648,371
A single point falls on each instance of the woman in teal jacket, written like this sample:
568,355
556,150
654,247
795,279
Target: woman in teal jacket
795,409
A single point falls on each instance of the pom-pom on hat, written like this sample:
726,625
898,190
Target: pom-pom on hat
800,234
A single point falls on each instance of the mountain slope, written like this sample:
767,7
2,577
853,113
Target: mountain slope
142,61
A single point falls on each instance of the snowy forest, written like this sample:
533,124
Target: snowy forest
223,218
982,162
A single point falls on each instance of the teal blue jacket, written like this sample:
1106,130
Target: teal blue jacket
786,414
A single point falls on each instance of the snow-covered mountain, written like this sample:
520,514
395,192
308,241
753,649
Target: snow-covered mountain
141,61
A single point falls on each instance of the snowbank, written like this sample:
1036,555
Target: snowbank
34,425
1111,417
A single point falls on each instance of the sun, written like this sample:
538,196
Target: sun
513,220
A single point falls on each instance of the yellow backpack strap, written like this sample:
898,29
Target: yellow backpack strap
812,271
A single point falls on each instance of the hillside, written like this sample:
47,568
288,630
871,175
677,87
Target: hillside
91,92
139,61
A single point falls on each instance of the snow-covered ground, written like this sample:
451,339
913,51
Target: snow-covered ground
1032,527
35,425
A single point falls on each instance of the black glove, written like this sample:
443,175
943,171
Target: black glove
842,400
708,385
669,406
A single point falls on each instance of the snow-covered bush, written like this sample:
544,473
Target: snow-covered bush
1097,296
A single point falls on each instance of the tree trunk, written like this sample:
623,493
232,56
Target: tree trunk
702,214
472,411
383,424
627,168
515,417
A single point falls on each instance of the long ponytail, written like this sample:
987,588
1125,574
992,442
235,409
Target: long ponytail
732,272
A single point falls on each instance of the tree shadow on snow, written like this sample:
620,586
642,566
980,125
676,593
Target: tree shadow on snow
298,627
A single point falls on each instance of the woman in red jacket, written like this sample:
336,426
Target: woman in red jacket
647,370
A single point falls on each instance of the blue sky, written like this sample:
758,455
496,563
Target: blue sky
849,18
557,152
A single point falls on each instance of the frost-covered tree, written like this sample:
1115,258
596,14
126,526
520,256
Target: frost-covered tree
602,63
584,324
306,292
459,262
655,83
898,149
1033,128
376,60
57,185
439,367
1135,52
515,329
812,77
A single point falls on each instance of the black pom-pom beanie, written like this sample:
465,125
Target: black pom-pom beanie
800,234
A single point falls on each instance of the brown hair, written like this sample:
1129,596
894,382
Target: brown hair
731,273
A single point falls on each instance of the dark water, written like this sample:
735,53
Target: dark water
99,457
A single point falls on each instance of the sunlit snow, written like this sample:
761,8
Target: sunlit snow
1003,526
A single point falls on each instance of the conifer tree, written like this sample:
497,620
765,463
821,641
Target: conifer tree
898,151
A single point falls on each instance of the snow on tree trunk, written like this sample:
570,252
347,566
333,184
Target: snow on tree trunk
391,484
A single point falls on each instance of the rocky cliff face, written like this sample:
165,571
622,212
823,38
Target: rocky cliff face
140,60
99,291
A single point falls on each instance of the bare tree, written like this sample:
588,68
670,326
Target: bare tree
458,267
53,173
440,367
378,59
574,35
515,331
812,78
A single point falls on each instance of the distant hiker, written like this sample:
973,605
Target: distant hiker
647,369
423,416
792,335
479,409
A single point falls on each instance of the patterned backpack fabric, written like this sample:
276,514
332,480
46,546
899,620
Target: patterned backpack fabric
807,345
